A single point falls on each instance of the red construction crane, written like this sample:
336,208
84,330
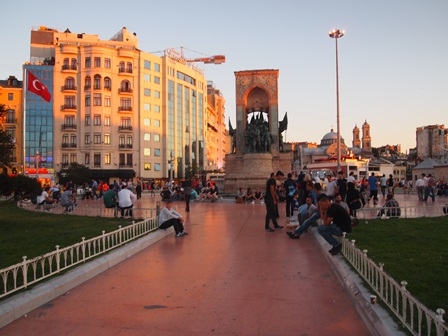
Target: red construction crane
179,57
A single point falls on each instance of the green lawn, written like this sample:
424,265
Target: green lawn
414,250
29,233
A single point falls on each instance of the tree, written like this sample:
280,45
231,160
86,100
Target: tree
17,188
76,173
3,110
191,171
6,149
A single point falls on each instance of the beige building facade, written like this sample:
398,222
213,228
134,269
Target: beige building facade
120,111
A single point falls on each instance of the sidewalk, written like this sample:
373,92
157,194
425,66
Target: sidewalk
227,277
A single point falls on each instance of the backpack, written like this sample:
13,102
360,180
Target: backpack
291,189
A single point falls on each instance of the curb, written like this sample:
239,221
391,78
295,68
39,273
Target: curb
21,304
375,317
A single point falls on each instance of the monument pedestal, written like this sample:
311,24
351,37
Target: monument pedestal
252,170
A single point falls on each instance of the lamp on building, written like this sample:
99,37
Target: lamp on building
337,34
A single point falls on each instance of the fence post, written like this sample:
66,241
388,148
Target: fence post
24,272
58,259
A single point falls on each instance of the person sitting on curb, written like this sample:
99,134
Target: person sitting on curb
68,201
258,195
169,217
241,196
391,208
213,193
336,221
110,199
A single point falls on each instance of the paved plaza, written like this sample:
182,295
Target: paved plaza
227,277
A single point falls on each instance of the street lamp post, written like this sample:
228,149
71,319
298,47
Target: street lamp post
336,34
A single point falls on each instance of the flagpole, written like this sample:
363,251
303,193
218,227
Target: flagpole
25,86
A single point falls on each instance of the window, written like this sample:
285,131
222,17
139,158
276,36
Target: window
107,138
107,63
156,94
129,142
97,99
107,84
121,141
147,166
65,140
129,67
70,101
73,140
156,67
156,123
87,100
147,136
156,151
97,159
121,67
87,83
146,122
147,92
147,77
97,82
70,83
10,96
69,120
87,120
146,107
157,166
73,158
156,108
97,62
87,158
64,159
129,159
10,116
125,104
107,120
88,62
121,159
157,79
87,139
96,138
107,158
147,151
147,65
97,120
157,137
107,101
126,122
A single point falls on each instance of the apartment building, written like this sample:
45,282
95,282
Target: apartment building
120,111
432,142
12,122
216,135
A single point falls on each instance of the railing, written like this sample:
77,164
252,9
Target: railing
424,210
29,272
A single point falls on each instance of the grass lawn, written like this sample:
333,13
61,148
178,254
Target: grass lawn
414,250
29,233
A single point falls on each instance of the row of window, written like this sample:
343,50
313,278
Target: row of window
70,101
122,140
73,64
70,120
125,160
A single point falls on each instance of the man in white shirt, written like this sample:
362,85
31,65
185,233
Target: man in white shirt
420,184
169,217
331,187
126,200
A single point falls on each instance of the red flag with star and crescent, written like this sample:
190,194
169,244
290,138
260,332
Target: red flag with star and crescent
37,87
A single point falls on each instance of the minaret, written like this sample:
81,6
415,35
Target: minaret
366,140
356,139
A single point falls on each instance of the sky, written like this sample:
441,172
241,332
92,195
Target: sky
393,58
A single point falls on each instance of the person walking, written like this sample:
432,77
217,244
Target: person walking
186,185
271,200
373,184
290,188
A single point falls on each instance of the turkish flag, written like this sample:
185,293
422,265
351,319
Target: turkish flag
36,86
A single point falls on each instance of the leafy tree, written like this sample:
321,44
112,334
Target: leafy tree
2,110
191,171
17,188
6,149
76,173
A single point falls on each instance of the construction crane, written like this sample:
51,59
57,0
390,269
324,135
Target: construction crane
179,57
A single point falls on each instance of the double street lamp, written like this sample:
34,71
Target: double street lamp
336,34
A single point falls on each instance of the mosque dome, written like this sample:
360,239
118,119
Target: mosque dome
330,138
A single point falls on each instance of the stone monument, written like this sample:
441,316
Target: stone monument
257,139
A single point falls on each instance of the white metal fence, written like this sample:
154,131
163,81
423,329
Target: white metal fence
29,272
424,210
415,317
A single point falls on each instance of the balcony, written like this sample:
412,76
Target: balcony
69,127
68,107
125,109
123,71
68,145
66,88
125,165
107,88
125,90
69,68
87,87
124,128
8,121
125,146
